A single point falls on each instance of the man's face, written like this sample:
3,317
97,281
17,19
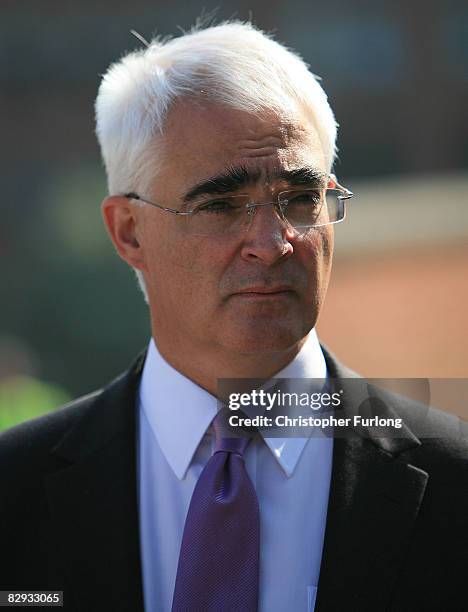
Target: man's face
251,292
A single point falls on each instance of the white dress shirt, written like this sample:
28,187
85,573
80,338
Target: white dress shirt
291,477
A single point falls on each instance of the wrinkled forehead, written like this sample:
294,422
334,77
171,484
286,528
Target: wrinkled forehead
202,115
206,140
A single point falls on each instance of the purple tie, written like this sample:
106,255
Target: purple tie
219,555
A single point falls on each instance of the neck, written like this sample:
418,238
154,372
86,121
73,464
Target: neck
206,367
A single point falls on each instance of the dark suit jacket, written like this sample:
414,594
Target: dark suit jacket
395,534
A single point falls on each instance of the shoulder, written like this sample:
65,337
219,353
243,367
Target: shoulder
101,410
441,451
441,438
440,433
24,448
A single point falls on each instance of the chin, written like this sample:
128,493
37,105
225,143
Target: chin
265,337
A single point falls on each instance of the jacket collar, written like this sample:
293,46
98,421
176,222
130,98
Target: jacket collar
374,500
93,502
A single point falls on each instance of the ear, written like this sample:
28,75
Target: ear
333,181
121,220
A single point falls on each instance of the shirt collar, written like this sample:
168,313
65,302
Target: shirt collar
179,411
308,363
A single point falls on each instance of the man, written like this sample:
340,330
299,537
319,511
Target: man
219,148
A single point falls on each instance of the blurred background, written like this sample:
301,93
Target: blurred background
396,73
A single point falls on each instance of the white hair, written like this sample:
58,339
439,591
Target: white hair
232,63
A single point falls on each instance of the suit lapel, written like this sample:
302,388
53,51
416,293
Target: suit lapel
93,503
374,500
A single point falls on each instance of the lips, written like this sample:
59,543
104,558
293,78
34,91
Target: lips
265,291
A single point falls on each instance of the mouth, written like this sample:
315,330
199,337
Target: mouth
265,292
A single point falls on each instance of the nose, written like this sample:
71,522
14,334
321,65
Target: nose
268,238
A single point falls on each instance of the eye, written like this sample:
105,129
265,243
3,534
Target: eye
304,198
217,206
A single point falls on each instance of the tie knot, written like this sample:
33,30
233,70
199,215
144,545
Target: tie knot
228,439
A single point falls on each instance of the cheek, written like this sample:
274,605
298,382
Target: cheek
183,264
316,252
316,247
327,239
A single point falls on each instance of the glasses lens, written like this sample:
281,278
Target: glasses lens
224,215
335,205
300,208
311,207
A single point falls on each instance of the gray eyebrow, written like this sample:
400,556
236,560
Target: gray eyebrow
236,178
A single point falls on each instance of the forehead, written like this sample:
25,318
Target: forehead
203,140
